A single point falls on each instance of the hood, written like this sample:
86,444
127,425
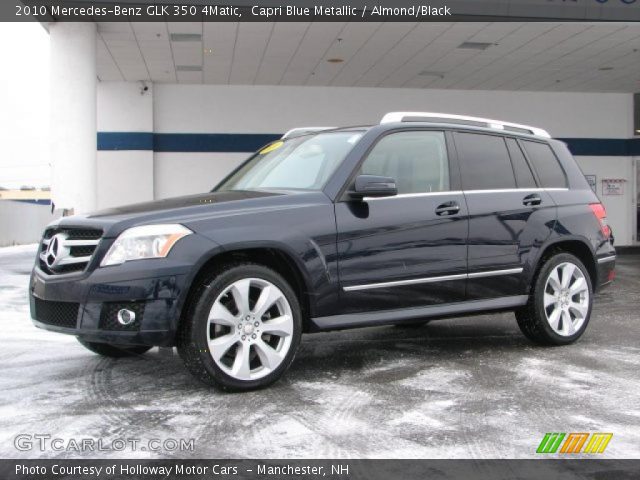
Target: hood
171,210
179,202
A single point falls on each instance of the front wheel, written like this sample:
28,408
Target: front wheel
560,303
242,328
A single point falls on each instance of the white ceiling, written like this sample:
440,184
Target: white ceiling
524,56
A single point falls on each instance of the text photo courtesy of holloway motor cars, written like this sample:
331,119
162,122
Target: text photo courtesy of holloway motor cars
338,239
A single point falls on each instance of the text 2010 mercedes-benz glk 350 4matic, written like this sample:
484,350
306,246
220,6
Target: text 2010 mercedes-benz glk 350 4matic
422,216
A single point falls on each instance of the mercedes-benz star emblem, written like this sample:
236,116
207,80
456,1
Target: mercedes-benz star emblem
56,250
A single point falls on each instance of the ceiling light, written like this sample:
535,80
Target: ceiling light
186,37
188,68
605,69
208,51
475,45
335,60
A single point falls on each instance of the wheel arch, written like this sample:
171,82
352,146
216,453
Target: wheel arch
271,256
576,246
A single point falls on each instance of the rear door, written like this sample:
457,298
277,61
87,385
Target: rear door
508,213
407,250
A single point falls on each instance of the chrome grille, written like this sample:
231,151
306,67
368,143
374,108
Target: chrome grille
67,250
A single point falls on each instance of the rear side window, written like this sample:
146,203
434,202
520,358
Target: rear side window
546,164
524,175
484,162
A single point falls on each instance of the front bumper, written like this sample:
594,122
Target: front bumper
86,304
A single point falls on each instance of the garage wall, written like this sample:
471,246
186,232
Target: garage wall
619,207
191,172
124,176
265,109
213,109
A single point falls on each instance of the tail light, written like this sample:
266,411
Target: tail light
601,214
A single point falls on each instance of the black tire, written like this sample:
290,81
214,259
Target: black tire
532,318
193,346
114,351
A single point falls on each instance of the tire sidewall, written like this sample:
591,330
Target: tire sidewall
539,298
200,321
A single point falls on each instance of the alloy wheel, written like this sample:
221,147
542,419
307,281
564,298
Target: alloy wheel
566,299
250,328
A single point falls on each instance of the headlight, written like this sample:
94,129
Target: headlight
148,241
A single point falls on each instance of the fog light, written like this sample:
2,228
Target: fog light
126,317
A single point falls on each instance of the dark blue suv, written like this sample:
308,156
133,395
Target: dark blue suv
423,216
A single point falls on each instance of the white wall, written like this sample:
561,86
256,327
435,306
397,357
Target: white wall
255,109
184,173
124,176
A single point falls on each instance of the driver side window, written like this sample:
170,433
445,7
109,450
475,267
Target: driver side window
417,160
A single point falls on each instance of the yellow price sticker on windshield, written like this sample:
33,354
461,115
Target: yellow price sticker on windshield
272,147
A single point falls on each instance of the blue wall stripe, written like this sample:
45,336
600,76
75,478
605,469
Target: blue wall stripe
601,147
211,142
250,142
125,141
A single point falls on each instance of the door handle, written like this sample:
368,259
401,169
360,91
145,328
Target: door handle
530,200
447,208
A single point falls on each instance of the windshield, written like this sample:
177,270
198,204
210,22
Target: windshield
304,163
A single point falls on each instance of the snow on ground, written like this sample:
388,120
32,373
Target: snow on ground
464,388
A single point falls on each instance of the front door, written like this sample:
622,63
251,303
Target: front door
408,250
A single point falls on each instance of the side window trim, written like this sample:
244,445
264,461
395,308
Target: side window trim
444,193
455,177
454,173
513,167
526,160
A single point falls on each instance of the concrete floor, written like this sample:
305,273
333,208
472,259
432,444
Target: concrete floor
462,388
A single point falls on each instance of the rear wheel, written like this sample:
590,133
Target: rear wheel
114,351
560,303
242,329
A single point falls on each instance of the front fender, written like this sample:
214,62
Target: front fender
306,235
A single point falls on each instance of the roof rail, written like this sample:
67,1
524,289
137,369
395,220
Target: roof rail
462,120
296,132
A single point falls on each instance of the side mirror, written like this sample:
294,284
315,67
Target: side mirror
373,186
